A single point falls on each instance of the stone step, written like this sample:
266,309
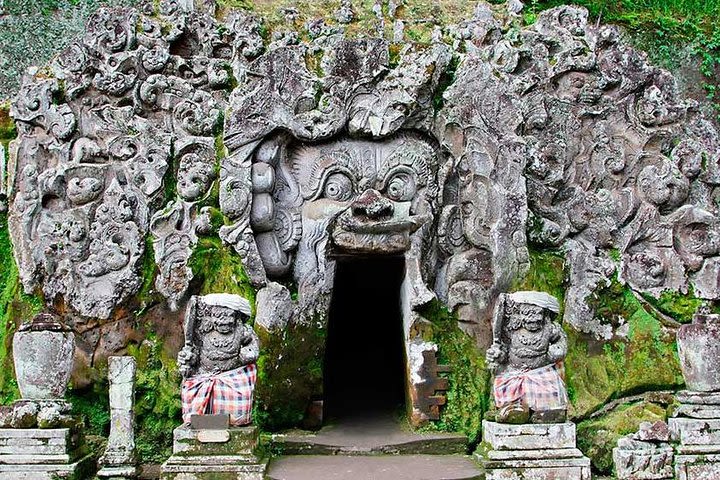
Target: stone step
378,436
386,467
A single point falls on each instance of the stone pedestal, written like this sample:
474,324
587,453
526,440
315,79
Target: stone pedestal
119,462
696,426
531,452
214,455
43,454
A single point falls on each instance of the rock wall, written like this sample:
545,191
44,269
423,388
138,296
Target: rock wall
160,134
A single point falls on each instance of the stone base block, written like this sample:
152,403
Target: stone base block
650,463
212,467
531,452
538,469
19,444
214,455
697,467
119,473
695,431
232,441
81,469
542,436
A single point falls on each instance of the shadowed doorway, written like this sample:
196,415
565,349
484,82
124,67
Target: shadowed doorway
364,359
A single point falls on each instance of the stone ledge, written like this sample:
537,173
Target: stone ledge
698,398
552,453
79,470
542,436
544,473
692,431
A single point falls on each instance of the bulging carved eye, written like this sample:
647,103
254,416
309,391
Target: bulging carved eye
401,188
338,187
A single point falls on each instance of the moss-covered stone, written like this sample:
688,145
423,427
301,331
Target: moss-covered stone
290,373
468,395
597,437
679,306
157,396
645,360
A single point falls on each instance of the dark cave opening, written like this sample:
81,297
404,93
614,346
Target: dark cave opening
364,357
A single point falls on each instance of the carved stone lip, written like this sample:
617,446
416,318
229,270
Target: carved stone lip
353,224
371,243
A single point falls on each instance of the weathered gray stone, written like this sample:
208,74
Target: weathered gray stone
119,461
274,307
43,454
233,458
646,454
699,351
697,467
531,451
502,436
43,361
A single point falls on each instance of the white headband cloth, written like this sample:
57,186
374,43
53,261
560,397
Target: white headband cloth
540,299
227,300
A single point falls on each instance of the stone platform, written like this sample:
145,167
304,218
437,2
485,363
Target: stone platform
43,454
380,435
531,452
696,426
374,467
225,454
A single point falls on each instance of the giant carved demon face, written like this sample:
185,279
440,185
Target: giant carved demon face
349,197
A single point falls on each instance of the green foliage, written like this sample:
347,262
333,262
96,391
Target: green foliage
92,404
469,389
7,126
147,296
157,394
597,437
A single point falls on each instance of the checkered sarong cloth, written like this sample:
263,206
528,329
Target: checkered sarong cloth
229,392
540,389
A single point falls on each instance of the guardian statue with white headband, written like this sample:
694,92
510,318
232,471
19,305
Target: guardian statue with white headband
218,359
526,356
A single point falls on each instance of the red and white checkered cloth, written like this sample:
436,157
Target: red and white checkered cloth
540,389
229,392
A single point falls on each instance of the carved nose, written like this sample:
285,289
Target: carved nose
373,205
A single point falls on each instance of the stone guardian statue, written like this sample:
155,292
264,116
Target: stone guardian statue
526,357
218,359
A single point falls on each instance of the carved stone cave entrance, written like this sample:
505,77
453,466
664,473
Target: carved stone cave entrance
364,359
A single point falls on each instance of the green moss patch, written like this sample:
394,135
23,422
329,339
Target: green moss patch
645,360
679,306
157,396
290,373
547,273
217,268
468,395
15,307
597,437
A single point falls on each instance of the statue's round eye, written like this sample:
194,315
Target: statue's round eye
338,187
401,188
